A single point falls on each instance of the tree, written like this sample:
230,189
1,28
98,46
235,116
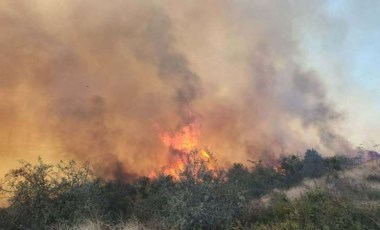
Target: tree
314,165
291,167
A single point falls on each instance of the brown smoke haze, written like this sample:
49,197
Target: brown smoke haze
90,80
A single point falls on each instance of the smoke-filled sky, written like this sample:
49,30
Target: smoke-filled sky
98,81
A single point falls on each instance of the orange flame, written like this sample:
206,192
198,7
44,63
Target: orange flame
185,140
181,143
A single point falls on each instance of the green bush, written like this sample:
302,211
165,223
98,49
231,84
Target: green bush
201,199
313,164
44,194
292,169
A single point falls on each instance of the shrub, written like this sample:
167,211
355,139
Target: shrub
43,194
202,199
264,179
152,198
313,164
117,200
292,167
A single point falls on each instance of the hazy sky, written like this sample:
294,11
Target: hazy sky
345,47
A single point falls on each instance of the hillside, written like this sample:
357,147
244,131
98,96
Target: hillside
357,188
309,192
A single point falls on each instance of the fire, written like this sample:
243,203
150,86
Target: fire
185,140
180,145
204,154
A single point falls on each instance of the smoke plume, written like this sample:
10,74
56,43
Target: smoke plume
91,80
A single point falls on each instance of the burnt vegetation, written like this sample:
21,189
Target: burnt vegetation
44,196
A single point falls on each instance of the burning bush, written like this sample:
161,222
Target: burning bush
199,197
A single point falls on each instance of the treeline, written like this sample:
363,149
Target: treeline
44,196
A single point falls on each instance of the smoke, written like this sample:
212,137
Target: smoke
89,80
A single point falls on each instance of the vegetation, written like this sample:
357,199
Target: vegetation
309,192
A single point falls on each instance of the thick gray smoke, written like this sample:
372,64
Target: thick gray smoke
90,80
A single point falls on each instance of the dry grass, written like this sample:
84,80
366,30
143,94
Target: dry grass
351,182
99,225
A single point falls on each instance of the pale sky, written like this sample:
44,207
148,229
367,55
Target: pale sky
344,47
